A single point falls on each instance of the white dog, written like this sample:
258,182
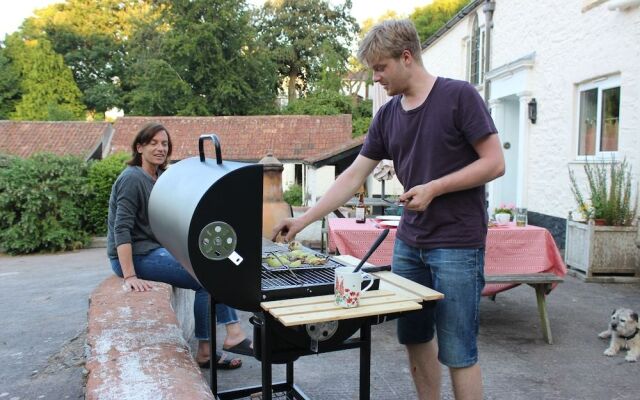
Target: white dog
624,333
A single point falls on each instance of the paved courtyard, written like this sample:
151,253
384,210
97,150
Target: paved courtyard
44,305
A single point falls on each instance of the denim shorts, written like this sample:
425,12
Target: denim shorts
458,274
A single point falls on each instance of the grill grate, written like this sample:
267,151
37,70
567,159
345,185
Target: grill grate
281,279
305,275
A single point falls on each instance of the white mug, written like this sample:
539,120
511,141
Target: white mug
347,287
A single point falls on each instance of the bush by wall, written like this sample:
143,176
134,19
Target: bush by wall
43,204
101,176
293,195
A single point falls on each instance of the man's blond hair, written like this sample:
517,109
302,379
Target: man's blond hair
389,39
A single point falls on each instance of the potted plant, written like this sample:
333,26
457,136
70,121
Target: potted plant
602,243
504,213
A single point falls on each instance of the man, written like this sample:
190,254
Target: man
444,146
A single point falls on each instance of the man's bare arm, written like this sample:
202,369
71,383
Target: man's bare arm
339,193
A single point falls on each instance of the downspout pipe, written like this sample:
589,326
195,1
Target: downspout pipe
488,8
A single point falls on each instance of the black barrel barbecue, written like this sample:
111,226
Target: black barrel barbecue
208,214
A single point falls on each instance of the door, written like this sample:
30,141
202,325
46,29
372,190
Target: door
505,188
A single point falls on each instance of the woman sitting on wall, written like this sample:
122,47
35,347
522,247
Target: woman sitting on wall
136,255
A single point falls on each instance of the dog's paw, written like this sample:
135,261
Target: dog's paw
604,334
610,352
631,358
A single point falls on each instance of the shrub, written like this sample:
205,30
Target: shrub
101,176
609,188
293,195
320,103
363,109
360,126
42,204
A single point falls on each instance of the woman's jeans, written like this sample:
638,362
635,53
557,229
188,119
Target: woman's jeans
160,266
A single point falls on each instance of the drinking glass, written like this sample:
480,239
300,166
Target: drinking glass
521,216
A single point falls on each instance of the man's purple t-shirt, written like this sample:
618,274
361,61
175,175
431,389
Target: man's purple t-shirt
426,143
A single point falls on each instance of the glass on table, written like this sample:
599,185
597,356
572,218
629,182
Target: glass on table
521,216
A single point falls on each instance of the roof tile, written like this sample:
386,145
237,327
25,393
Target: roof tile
25,138
245,138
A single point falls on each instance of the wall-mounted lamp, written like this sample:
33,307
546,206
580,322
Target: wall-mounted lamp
533,110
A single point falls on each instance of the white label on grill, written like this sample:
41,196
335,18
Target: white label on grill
235,258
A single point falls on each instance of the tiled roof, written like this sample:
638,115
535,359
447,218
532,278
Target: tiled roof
81,139
349,147
245,138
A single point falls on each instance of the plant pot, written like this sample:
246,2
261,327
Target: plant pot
602,250
503,218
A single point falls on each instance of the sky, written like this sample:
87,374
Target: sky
12,15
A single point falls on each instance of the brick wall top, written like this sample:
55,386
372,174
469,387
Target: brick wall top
246,138
136,348
22,138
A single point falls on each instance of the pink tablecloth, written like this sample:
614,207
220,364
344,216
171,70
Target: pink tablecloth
509,250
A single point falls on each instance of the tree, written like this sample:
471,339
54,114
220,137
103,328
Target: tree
430,18
159,90
370,22
48,89
91,35
97,63
9,85
302,36
208,53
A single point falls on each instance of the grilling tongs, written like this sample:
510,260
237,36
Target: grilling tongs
373,248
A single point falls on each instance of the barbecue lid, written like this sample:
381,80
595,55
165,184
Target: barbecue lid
208,214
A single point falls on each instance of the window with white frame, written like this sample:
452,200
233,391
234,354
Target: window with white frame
475,53
598,116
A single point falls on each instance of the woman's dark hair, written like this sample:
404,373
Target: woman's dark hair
145,136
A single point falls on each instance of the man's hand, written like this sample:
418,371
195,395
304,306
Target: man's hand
137,285
288,228
419,197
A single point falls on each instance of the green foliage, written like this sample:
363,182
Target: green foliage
360,126
9,85
48,89
430,18
293,195
320,103
96,61
333,103
91,35
102,174
157,89
363,109
609,188
42,203
208,53
306,38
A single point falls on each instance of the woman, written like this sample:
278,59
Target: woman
136,255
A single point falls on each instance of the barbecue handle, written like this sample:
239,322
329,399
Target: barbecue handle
216,143
372,249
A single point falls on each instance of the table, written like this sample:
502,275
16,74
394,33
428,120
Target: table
509,249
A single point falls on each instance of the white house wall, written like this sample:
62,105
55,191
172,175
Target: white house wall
288,175
571,46
319,180
392,187
448,55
